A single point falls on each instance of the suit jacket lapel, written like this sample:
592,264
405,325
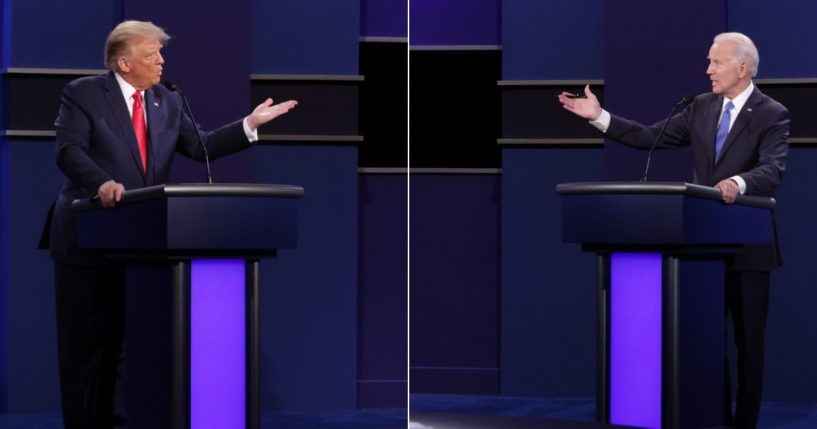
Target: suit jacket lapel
153,104
120,110
743,119
712,116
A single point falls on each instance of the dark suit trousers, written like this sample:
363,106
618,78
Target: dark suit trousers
90,326
747,300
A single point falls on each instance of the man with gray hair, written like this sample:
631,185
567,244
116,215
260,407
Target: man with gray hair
739,140
115,132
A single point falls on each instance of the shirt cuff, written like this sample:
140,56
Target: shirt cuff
741,183
602,123
252,135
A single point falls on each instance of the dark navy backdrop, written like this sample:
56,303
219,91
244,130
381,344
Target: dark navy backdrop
783,32
383,299
46,33
319,39
540,40
454,273
645,76
455,22
384,18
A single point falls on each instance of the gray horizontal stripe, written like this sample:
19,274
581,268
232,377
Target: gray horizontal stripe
559,142
56,72
382,170
554,82
311,77
455,170
309,138
28,133
447,368
786,81
384,39
455,47
803,140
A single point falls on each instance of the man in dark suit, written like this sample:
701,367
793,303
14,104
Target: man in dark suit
739,140
115,132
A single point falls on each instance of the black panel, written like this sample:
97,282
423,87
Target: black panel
535,112
799,99
149,347
33,100
455,108
384,104
324,107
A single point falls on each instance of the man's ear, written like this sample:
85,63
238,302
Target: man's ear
124,66
744,69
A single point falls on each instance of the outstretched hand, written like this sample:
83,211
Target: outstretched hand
266,112
588,108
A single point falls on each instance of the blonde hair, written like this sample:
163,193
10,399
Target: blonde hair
125,35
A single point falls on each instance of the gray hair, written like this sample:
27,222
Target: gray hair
746,50
125,35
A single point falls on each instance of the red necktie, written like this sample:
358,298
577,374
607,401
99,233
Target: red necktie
140,129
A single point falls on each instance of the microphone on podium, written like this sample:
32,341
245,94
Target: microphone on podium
172,88
684,102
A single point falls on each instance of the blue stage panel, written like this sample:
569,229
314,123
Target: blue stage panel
383,18
454,320
548,289
382,295
291,38
455,22
783,33
55,34
31,183
309,295
542,40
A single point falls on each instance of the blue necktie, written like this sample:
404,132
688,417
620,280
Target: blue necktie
723,130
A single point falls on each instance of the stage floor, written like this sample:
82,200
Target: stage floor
426,420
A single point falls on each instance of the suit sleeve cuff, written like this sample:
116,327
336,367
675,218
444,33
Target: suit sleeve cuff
741,183
252,135
602,123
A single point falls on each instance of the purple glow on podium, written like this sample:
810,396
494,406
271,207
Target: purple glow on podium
217,344
635,339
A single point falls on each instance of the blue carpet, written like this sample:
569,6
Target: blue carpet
380,418
773,415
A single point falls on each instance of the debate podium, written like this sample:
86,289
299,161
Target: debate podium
661,327
192,253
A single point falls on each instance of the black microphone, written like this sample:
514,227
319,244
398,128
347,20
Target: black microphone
172,87
684,101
